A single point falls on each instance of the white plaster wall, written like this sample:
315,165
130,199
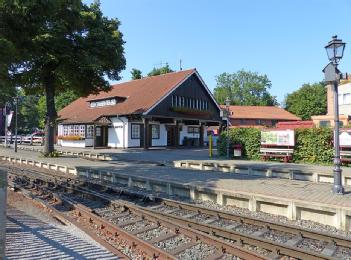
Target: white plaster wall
184,133
60,130
344,109
132,142
59,133
89,142
163,137
69,143
118,133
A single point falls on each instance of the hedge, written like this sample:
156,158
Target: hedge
249,138
312,145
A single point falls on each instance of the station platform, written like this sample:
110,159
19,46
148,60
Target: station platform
294,199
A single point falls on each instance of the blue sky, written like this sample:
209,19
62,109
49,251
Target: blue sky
284,39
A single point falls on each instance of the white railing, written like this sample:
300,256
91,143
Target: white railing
31,140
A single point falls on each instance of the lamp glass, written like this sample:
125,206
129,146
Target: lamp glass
335,49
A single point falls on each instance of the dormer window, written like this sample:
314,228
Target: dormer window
103,103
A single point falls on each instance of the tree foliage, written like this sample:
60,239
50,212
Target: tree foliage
136,74
309,100
162,70
244,88
59,45
61,100
28,116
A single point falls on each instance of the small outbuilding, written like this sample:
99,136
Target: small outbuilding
258,116
172,109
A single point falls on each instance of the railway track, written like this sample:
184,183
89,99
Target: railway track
269,239
143,235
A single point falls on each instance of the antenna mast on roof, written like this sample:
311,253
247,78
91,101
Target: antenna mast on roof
180,64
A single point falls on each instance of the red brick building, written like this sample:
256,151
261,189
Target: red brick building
258,116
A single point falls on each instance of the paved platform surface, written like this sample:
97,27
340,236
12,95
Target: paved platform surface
201,155
30,238
229,182
153,154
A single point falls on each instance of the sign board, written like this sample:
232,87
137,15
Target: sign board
280,137
345,137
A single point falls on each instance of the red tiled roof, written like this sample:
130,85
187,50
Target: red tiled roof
260,112
140,95
295,124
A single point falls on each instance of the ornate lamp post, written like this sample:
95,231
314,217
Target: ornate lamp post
335,51
227,104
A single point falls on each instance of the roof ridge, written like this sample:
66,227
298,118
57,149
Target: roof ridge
149,77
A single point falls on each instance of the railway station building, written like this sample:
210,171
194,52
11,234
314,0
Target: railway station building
173,109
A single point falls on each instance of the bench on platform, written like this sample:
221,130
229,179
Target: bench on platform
273,151
345,154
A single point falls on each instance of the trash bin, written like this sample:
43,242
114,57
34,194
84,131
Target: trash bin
237,148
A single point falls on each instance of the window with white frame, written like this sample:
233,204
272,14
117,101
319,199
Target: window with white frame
104,102
82,130
135,134
98,131
193,129
76,130
71,130
155,131
188,102
90,131
65,130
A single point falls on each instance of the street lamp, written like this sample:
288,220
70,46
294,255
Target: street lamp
335,50
227,104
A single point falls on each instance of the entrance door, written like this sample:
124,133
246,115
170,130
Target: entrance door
171,136
101,136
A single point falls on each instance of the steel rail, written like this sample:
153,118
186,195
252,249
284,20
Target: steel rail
66,220
329,238
297,231
87,213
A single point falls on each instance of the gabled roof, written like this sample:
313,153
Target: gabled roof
260,112
140,95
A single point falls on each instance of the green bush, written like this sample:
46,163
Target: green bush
249,138
312,145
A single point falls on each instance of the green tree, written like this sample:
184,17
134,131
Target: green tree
244,88
28,116
136,74
7,90
60,45
159,71
309,100
61,100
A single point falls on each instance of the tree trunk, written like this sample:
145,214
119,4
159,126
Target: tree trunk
51,115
